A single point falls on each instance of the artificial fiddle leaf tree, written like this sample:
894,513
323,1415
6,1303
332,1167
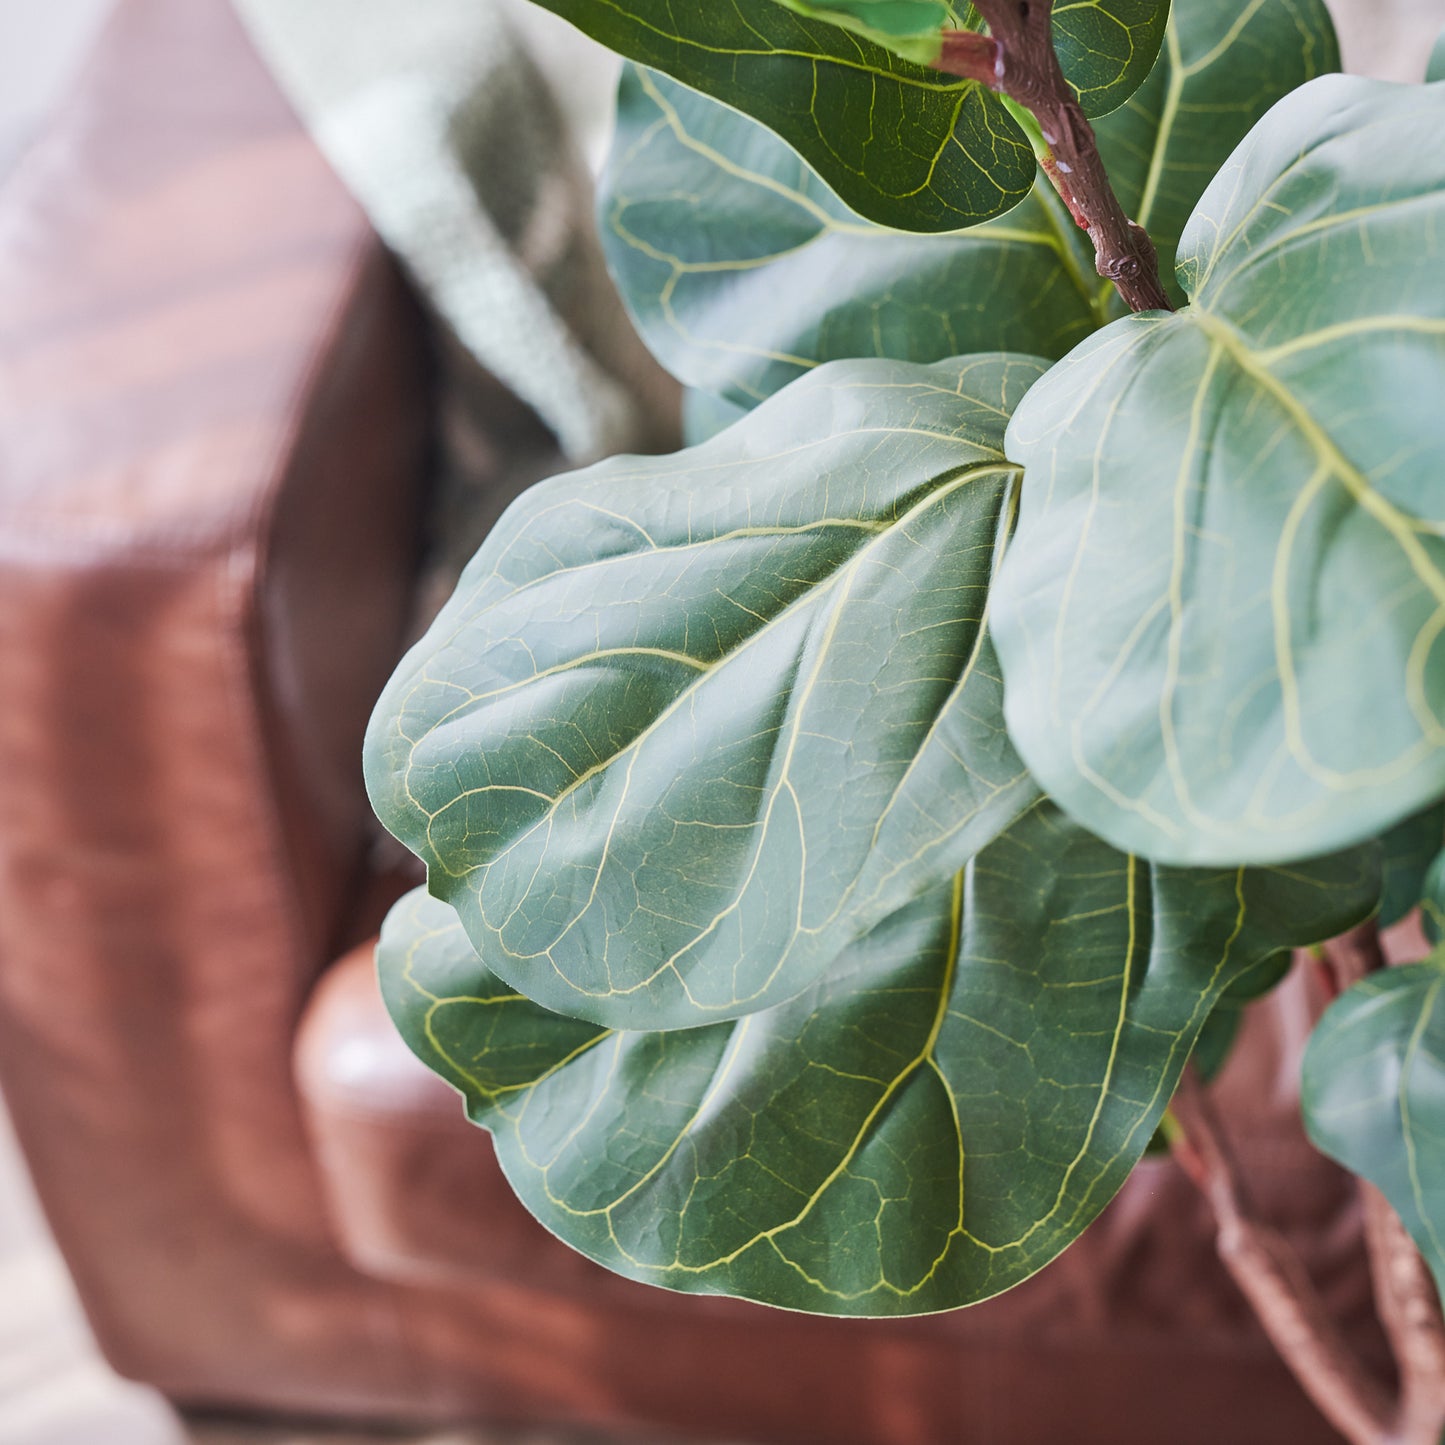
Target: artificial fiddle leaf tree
841,834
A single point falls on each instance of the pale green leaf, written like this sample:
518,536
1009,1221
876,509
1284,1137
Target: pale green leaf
692,724
943,1112
1374,1093
1436,68
1221,619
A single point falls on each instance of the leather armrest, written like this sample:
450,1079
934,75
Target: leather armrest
212,433
414,1189
211,382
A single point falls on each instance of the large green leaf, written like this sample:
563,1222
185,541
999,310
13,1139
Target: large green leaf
1220,619
743,270
932,1122
692,724
1374,1093
903,145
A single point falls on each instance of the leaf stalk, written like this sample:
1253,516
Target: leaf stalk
1017,61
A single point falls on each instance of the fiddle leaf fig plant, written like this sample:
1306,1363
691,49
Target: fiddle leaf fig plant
841,834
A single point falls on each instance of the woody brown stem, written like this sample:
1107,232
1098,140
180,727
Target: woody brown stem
1269,1274
1409,1310
1353,956
1016,59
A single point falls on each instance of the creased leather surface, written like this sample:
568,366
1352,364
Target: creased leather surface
211,423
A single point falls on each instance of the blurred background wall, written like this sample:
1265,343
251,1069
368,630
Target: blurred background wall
41,44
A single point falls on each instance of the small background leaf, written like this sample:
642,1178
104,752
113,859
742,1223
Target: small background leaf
1436,68
1374,1094
1409,850
1107,47
1216,1039
1432,901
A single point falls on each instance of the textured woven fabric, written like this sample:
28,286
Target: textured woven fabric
436,118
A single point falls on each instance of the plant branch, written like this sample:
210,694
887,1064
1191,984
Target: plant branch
1017,60
1409,1310
1353,956
1270,1275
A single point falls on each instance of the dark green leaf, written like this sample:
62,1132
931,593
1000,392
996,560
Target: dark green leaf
1220,621
1107,47
1409,850
932,1122
904,145
743,270
693,724
1374,1093
1216,1041
1432,900
1221,1028
901,144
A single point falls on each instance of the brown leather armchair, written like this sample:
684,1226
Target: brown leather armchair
213,429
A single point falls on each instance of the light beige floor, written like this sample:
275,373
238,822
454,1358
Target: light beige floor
56,1390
